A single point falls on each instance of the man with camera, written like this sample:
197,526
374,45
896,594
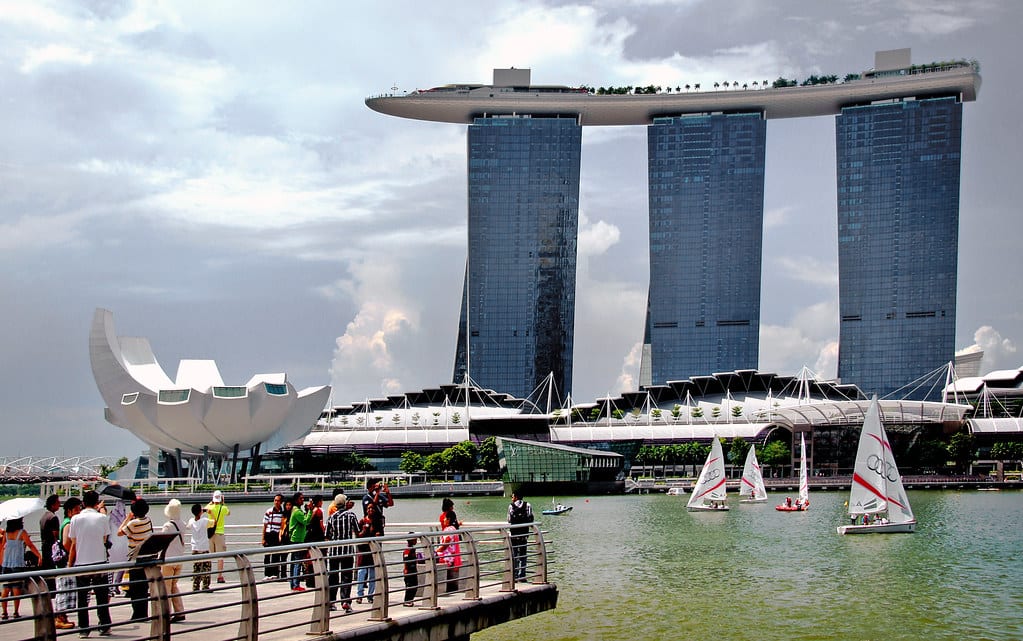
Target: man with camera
378,494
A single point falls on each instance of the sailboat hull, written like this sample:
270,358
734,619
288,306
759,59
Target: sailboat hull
879,528
763,500
707,508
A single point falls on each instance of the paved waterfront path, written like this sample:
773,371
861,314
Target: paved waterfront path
246,607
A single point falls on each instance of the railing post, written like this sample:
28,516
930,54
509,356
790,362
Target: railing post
541,555
320,622
159,624
430,602
42,608
468,549
508,574
248,627
382,593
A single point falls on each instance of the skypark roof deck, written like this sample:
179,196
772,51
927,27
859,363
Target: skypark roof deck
463,103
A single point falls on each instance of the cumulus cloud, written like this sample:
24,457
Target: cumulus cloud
366,361
808,337
999,352
596,238
628,378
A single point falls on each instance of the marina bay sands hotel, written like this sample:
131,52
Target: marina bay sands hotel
897,131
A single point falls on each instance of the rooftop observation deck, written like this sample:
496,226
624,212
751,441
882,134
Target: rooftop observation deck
463,103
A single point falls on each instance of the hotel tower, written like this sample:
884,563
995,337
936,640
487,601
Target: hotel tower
898,129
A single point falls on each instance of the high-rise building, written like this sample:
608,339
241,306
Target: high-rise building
706,183
520,283
898,235
898,170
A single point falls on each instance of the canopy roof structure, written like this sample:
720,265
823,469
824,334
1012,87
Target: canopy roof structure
196,412
744,403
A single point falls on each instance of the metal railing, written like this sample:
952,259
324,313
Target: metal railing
257,600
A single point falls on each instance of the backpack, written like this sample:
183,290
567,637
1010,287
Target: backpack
520,513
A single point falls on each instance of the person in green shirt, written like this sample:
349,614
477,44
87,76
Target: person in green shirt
217,513
301,514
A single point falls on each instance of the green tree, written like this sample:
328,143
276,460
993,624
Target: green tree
105,470
462,457
776,453
488,458
737,450
1007,451
411,462
436,464
736,411
962,449
697,412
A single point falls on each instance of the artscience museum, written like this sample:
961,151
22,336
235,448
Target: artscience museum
195,418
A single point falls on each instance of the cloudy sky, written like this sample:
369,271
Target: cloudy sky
210,173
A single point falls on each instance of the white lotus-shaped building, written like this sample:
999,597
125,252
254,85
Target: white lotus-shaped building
196,411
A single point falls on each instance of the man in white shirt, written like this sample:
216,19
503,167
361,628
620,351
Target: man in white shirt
88,535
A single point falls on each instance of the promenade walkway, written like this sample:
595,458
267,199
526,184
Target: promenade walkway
248,606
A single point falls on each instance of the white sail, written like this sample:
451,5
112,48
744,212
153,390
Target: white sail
752,484
710,486
877,484
804,483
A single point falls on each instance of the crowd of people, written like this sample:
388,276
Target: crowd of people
92,534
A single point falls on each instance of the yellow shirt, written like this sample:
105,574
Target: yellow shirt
218,512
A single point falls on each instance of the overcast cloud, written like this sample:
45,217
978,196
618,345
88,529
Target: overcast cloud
210,173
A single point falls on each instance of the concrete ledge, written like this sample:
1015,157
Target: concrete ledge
457,619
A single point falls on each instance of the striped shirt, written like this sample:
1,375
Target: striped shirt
340,526
272,520
137,530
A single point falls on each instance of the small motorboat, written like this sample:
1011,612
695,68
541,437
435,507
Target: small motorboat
557,508
676,491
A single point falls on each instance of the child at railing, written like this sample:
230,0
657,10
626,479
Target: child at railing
411,559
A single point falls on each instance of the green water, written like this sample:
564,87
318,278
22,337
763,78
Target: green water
644,568
641,567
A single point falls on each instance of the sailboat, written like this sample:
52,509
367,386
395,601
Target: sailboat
877,500
709,492
803,501
751,488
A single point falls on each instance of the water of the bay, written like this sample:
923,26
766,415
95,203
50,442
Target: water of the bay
641,567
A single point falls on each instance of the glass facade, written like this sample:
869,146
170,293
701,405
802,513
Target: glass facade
520,277
898,238
532,462
706,182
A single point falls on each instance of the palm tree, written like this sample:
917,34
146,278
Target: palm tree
717,84
744,86
679,89
687,87
755,83
696,86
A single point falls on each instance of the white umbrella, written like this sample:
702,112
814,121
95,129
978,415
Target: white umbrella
20,508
